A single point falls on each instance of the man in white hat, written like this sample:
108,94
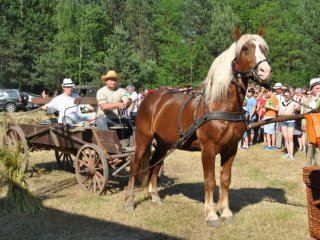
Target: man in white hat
69,113
110,99
278,91
313,153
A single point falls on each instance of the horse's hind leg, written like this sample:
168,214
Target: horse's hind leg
142,153
225,180
159,153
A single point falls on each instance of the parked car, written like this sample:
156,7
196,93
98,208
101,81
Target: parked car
29,106
12,100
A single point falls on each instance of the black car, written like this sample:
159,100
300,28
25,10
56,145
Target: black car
31,105
12,100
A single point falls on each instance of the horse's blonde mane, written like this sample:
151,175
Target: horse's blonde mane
219,76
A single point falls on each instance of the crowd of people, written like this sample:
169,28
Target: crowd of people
281,100
117,104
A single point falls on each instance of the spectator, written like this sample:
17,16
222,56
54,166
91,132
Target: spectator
260,109
278,92
279,89
271,108
110,99
69,113
45,93
298,98
133,108
251,110
313,154
245,139
292,92
287,108
55,93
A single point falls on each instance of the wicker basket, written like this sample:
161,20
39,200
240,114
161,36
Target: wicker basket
311,177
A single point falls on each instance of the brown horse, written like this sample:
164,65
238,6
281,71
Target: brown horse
166,114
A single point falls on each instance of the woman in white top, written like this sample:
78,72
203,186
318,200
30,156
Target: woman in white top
287,108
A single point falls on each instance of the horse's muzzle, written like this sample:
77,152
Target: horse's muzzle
263,70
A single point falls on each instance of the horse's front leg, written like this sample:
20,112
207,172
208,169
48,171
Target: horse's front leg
225,180
208,164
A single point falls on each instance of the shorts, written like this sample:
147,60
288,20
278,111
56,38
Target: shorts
288,124
269,128
245,134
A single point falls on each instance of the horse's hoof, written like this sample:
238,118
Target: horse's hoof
213,223
155,199
157,202
227,220
128,207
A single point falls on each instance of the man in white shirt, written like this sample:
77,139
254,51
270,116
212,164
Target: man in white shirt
313,153
69,113
110,99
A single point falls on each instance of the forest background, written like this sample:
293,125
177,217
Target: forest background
150,43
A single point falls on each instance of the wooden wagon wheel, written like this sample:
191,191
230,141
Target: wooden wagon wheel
91,169
65,160
14,139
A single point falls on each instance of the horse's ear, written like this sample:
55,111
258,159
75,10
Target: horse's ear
236,32
261,31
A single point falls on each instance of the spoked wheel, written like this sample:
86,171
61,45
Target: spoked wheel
15,140
65,160
91,169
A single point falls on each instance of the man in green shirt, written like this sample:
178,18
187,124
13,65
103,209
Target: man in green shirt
110,99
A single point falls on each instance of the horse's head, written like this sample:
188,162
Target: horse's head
251,56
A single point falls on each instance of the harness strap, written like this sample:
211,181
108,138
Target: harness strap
183,106
227,116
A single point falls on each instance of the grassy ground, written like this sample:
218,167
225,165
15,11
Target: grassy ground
267,197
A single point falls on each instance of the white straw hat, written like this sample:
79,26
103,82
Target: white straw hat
313,82
67,82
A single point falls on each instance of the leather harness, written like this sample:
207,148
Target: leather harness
183,136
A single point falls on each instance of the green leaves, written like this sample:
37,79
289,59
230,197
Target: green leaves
151,43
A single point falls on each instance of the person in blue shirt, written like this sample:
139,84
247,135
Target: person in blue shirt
251,110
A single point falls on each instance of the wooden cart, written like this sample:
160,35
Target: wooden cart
92,152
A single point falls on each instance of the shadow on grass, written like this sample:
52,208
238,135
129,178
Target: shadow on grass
239,198
47,166
54,224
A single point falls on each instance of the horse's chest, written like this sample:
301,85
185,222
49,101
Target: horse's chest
223,133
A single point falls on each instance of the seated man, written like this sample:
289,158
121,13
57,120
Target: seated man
110,99
69,113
